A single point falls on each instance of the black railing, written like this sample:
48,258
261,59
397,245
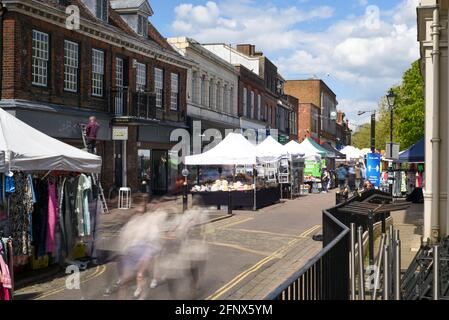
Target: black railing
139,104
325,276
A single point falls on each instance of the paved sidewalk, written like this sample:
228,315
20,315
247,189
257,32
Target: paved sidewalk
410,225
284,263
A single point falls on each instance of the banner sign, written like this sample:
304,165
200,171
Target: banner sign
312,168
373,168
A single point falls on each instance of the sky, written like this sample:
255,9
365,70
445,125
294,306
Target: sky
360,48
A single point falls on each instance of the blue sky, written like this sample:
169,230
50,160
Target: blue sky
359,47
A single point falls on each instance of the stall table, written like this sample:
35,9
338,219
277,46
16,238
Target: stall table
239,199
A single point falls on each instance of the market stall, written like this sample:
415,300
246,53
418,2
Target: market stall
235,150
47,206
409,170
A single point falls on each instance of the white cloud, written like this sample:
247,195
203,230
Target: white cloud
364,54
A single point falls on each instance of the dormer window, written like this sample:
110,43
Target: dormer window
102,10
142,25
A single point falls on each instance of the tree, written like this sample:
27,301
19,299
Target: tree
408,115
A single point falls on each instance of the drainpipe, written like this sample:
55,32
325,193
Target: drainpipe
436,140
2,12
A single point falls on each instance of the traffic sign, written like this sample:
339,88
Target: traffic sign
373,166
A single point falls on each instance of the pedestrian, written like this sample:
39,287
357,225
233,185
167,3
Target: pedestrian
325,177
91,134
362,174
351,178
341,176
358,176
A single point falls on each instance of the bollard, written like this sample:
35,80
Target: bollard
436,273
371,236
184,197
397,265
353,273
379,265
361,268
386,272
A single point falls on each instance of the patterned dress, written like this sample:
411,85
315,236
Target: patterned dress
20,210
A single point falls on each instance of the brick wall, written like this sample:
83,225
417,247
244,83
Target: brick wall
307,91
17,37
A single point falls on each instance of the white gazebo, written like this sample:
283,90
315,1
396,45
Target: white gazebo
26,149
269,151
352,153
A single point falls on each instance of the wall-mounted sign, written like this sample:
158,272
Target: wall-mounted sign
120,133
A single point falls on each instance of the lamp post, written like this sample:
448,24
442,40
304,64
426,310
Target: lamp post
185,174
391,98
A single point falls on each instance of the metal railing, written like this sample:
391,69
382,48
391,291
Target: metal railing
325,276
139,104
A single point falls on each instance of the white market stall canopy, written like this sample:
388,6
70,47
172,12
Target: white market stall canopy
313,149
270,150
295,149
26,149
352,153
235,149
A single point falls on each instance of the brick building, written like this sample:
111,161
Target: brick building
315,92
116,66
308,121
343,136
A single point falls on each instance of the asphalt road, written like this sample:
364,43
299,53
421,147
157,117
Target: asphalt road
238,247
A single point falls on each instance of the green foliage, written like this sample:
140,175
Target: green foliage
408,115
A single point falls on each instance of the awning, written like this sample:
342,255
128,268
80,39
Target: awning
235,149
330,148
24,148
414,154
270,150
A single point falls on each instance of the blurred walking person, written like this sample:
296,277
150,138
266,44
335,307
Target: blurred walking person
341,176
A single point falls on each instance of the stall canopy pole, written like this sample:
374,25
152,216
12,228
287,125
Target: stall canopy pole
124,169
255,191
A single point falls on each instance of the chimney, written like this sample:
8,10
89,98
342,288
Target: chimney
340,116
246,49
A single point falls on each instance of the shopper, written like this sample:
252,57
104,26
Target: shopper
91,134
358,176
341,176
351,178
325,178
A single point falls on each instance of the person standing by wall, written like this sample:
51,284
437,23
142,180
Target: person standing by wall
91,134
341,176
358,176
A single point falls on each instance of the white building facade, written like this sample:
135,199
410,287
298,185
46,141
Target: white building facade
433,38
212,86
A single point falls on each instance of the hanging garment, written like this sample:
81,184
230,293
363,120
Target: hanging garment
60,236
5,277
9,184
40,217
82,205
21,206
52,217
70,221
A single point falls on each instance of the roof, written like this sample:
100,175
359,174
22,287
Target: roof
132,5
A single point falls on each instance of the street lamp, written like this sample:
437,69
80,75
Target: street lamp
391,98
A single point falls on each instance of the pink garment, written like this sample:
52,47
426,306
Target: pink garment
4,293
52,217
5,278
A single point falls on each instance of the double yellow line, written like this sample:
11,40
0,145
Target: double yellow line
98,272
277,254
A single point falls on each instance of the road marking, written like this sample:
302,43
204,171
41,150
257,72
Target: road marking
98,272
235,246
265,232
277,254
233,223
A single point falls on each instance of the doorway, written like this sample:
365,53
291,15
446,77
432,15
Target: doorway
118,164
160,172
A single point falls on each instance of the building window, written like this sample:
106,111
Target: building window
211,94
252,104
231,100
245,101
270,115
141,76
159,86
142,25
97,72
225,99
71,62
40,58
174,102
259,106
102,9
203,90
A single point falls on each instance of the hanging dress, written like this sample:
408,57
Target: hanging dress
52,217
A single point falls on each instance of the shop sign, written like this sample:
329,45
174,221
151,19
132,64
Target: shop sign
312,168
120,133
373,168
